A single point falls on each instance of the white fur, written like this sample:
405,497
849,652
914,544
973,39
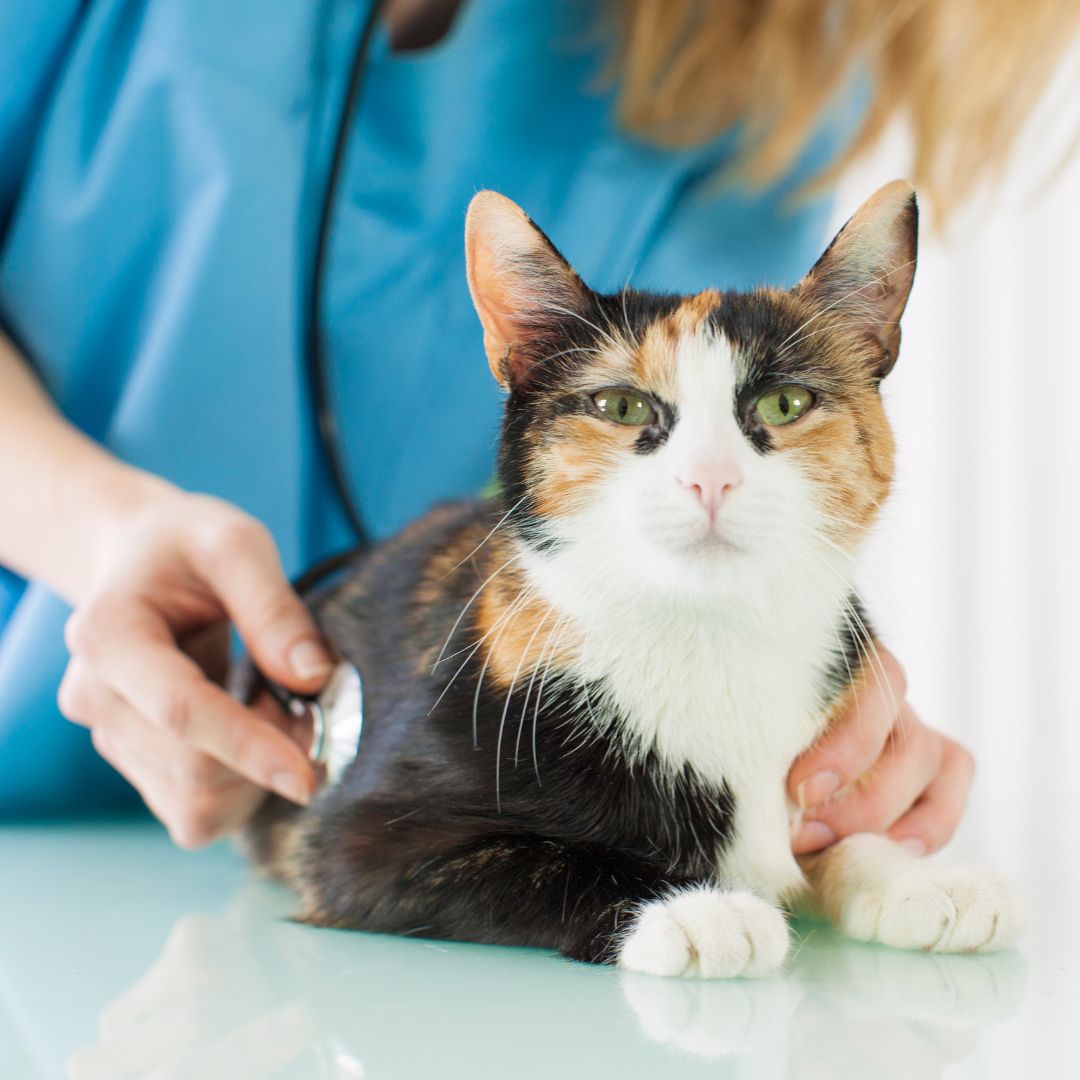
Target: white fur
707,933
709,644
877,891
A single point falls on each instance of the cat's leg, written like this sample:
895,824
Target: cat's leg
435,882
875,890
596,906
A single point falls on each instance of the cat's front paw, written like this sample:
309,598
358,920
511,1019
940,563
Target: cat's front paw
706,933
935,908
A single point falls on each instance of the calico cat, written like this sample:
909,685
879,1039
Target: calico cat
582,697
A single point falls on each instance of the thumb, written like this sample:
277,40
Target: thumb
246,574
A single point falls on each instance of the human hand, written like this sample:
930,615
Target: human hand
880,769
149,637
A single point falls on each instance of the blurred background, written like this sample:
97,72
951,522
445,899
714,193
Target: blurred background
973,576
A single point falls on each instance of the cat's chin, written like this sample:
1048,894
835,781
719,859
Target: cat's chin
714,563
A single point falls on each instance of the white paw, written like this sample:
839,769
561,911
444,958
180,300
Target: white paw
937,908
708,934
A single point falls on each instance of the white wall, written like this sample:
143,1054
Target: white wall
974,574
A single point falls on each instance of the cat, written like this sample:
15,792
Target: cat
582,697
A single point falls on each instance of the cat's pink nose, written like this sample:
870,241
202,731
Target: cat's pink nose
711,484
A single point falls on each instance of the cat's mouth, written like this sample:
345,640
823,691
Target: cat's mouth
697,540
710,542
716,543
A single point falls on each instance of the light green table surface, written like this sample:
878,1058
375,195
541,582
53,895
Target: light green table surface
121,956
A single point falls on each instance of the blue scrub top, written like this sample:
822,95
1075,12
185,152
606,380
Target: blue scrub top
162,164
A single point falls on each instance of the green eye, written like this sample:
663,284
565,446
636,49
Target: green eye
781,406
625,407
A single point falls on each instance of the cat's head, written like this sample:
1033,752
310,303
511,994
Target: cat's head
693,441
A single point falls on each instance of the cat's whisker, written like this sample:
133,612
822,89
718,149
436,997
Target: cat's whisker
506,706
471,650
834,521
837,523
581,318
528,694
817,534
585,735
457,622
868,646
834,518
568,352
564,620
625,313
525,596
784,352
470,647
498,525
615,333
877,665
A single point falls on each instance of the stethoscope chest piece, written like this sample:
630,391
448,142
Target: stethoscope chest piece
337,719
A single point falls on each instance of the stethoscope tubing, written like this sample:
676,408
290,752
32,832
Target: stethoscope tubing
316,365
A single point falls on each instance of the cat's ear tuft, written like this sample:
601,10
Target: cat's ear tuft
867,271
522,288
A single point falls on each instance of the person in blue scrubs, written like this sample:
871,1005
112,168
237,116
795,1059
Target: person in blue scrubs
162,170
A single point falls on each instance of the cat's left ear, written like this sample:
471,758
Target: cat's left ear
522,288
867,271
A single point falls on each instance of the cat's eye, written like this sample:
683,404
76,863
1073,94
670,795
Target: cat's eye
781,406
625,407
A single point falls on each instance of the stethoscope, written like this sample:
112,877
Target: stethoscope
336,712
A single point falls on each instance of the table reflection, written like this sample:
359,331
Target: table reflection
248,993
840,1008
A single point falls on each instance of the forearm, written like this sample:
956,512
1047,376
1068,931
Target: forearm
61,492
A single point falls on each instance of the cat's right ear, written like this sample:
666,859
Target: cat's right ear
522,288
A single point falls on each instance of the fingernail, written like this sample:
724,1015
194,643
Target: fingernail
914,845
814,836
293,787
817,787
309,660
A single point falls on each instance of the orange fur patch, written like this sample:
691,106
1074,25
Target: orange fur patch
573,460
655,362
694,310
521,631
848,456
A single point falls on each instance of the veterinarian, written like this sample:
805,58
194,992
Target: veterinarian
164,169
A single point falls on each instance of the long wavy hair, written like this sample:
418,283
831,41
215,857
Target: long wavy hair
963,74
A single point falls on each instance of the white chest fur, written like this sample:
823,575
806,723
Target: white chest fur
731,687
